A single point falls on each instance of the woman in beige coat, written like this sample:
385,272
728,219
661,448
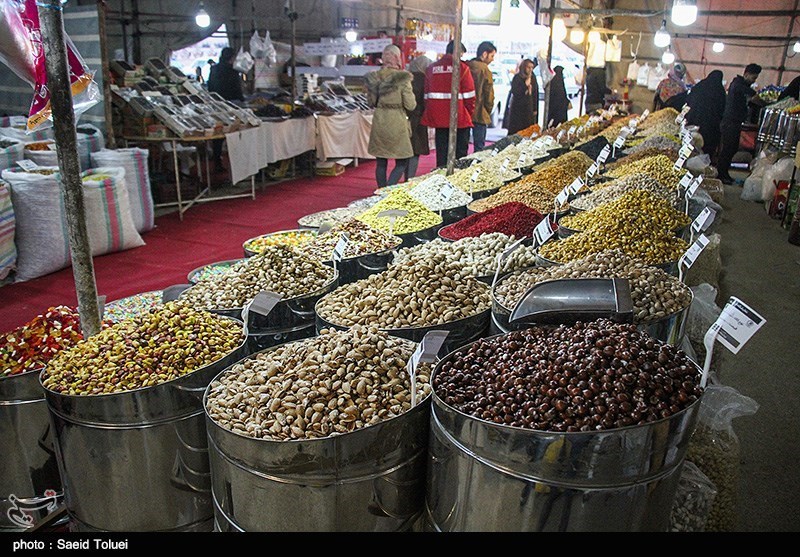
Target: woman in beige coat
389,91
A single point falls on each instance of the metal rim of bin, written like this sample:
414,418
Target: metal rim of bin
251,253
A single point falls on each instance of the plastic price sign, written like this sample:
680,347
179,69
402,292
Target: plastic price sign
523,158
27,165
503,257
624,132
475,174
426,353
447,191
704,220
561,198
645,114
679,163
686,150
576,185
340,248
542,232
736,325
619,142
262,304
572,131
603,156
687,259
494,152
504,166
592,170
392,215
682,116
692,188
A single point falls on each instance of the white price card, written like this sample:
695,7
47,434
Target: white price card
503,257
679,163
494,152
447,191
633,124
685,181
264,302
172,293
694,251
340,247
645,114
426,353
576,185
619,142
603,156
592,170
542,232
693,186
624,132
704,220
686,150
27,165
561,198
572,130
523,158
680,118
504,166
737,323
475,174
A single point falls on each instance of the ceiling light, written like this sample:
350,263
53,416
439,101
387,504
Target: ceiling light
481,8
351,36
559,29
684,12
668,57
576,35
662,38
718,47
594,36
202,19
796,46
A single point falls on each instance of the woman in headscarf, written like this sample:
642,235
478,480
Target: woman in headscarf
524,110
419,133
389,91
707,103
671,92
559,102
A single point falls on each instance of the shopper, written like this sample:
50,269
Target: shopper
596,89
792,90
389,91
226,81
559,103
524,111
739,93
707,104
419,133
484,93
438,78
671,91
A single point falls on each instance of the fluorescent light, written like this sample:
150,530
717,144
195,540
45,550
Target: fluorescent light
351,36
559,29
202,19
481,8
684,12
668,57
662,38
796,46
718,47
576,35
594,36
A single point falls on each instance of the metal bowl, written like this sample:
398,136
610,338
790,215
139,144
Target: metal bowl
251,253
192,276
423,236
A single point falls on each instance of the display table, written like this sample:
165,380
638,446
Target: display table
252,149
344,136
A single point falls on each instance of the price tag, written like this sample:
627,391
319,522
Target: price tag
474,162
340,248
619,142
704,220
101,306
494,152
427,352
737,324
603,156
634,123
324,227
624,132
691,255
27,165
679,163
542,232
693,186
682,116
503,257
645,114
172,293
523,158
592,170
504,166
264,302
447,191
572,130
685,181
392,215
576,185
475,174
686,150
561,198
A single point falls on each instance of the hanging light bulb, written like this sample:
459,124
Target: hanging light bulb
662,38
576,35
202,19
559,29
796,46
594,37
481,8
668,57
684,12
351,36
718,47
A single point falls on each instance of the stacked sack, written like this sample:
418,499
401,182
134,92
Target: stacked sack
8,251
137,181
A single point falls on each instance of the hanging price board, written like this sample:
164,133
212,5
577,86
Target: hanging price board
704,220
542,232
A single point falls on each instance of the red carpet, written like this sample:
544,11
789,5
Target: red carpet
209,232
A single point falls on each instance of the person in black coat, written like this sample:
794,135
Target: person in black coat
226,81
524,109
559,102
706,101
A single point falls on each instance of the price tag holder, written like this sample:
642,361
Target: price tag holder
561,198
603,156
427,352
686,150
685,181
679,163
736,325
340,248
619,142
475,174
504,166
576,185
592,170
172,293
27,165
687,259
392,215
572,131
542,232
523,159
704,220
692,188
262,304
494,152
503,257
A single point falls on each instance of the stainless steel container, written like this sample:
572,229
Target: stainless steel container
372,479
250,253
352,269
138,460
488,477
453,215
192,277
30,485
423,236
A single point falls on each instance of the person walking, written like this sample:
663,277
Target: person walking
226,81
438,78
740,93
389,91
484,93
524,110
671,91
559,101
419,133
706,101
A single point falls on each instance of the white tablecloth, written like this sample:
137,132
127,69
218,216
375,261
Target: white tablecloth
341,136
252,149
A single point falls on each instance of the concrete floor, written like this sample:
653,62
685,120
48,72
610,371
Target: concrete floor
762,269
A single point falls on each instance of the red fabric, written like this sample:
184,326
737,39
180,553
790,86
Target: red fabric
438,81
209,232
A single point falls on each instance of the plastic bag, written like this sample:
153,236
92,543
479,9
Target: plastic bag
693,500
707,268
21,50
656,75
613,49
644,74
715,449
751,191
780,171
243,62
633,70
703,312
272,54
698,164
258,49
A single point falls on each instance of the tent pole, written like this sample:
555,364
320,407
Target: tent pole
455,85
786,48
52,30
101,30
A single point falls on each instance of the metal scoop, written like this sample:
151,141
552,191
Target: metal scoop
570,300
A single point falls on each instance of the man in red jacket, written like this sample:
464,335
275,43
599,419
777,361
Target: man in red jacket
438,80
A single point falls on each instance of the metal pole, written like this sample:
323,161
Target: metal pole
137,33
293,19
101,30
124,21
549,63
584,72
52,30
786,48
454,88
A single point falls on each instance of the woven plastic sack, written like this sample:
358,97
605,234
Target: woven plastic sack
8,251
137,181
50,157
16,130
108,211
93,136
10,155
